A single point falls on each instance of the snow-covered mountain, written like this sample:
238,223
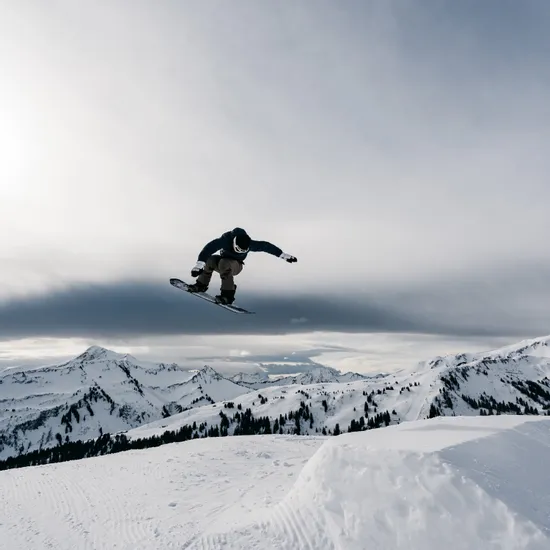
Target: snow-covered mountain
103,392
511,380
315,375
98,392
251,379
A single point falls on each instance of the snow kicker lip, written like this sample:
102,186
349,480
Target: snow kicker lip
361,490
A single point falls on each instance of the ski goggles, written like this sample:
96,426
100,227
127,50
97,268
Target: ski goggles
237,248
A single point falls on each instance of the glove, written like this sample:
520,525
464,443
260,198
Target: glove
198,269
288,258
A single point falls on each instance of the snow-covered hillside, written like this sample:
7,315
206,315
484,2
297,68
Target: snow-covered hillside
513,380
102,392
457,483
98,392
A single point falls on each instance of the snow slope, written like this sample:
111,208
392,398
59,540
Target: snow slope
161,498
457,483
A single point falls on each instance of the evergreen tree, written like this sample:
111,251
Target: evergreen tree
434,411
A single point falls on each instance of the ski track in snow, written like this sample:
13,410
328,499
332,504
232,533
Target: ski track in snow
167,497
458,483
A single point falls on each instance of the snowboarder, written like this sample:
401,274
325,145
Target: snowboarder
234,247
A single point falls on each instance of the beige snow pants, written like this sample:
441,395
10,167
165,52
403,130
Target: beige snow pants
226,267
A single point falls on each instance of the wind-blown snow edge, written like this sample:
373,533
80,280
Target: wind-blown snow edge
460,482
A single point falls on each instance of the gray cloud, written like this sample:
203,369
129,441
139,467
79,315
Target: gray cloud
516,302
513,300
149,309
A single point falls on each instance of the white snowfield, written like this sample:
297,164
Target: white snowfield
468,483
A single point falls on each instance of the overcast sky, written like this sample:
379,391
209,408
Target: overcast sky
399,149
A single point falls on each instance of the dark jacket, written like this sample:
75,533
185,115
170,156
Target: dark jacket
225,245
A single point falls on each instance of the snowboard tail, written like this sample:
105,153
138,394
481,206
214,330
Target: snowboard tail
182,285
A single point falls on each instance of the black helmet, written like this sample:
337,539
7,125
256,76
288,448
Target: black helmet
241,243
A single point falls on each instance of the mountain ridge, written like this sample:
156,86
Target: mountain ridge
102,392
98,391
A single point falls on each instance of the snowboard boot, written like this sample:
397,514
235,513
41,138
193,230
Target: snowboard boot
226,297
197,287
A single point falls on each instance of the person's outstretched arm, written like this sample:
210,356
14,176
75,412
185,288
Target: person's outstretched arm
269,248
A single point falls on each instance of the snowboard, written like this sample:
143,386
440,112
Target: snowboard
182,285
